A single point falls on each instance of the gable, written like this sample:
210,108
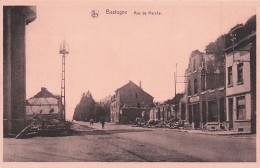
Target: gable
132,86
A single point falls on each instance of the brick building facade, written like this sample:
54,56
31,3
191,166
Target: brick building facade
130,100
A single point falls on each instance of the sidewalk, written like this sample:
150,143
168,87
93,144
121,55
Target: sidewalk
212,132
208,132
110,126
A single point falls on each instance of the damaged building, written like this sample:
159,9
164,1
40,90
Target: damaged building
203,105
43,103
167,110
130,102
162,112
221,83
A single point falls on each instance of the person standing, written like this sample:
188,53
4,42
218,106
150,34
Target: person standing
103,123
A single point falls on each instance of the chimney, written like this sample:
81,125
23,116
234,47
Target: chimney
140,84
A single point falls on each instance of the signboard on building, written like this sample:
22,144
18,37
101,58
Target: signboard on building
194,99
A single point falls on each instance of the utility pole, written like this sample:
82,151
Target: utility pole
175,82
63,52
175,79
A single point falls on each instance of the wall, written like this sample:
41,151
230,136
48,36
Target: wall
128,96
245,87
44,109
114,108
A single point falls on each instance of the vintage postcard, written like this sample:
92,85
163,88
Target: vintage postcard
121,83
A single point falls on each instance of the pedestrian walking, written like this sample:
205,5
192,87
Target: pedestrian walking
91,121
102,122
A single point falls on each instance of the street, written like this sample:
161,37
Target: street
120,143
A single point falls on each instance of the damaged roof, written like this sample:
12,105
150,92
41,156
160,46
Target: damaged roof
44,97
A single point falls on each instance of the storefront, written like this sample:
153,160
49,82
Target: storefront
207,110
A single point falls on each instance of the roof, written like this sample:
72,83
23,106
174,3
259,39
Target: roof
45,93
44,97
130,82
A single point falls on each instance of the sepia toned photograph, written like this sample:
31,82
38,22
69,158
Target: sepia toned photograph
150,81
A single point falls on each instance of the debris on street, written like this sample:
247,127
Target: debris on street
171,124
42,125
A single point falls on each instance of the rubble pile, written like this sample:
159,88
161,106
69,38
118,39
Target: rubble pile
139,122
172,124
45,126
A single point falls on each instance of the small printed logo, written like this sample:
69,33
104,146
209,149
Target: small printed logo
94,13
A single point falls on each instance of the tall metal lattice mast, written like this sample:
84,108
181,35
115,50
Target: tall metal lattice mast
63,51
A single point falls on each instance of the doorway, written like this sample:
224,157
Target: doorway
196,113
230,111
190,114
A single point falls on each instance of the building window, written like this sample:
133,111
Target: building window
189,88
240,73
230,76
194,65
135,95
241,108
195,86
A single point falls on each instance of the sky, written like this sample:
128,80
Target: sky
109,50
